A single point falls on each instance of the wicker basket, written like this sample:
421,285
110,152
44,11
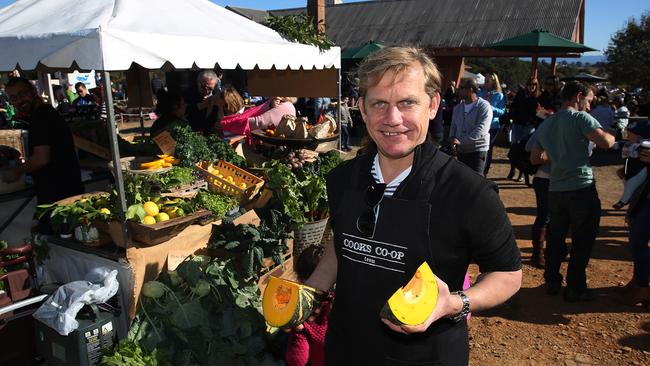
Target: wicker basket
186,190
308,235
239,176
16,139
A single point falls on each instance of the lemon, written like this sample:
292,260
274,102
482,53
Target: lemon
148,220
151,208
105,211
242,185
162,217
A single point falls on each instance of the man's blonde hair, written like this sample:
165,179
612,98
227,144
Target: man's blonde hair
396,60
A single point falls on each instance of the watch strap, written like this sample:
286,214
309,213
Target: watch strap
465,310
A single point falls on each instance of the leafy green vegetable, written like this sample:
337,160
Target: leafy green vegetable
129,353
219,325
219,204
192,147
301,193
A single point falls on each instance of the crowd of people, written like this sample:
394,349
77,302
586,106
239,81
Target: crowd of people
552,130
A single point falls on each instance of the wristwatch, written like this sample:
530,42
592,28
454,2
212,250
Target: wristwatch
463,313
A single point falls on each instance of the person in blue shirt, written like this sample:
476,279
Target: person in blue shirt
494,95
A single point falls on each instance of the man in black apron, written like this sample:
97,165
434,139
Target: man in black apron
402,203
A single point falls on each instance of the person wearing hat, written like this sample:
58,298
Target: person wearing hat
635,171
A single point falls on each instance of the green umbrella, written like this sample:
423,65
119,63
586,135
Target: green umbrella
539,42
361,52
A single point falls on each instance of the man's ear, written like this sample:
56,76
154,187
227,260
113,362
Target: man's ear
433,106
362,107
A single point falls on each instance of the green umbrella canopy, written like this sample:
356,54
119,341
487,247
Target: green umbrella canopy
539,41
362,51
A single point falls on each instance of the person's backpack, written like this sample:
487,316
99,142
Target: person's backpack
520,158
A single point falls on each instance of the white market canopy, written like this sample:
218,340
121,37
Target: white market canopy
111,34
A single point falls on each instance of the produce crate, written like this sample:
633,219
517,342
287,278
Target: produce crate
162,231
16,139
215,183
75,198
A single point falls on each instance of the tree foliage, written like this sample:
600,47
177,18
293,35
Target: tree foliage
513,71
299,28
628,53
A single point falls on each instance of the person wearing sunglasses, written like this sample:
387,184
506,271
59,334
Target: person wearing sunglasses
401,203
470,126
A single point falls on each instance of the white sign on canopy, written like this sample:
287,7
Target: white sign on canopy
111,34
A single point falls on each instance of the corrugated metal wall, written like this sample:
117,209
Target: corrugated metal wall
445,23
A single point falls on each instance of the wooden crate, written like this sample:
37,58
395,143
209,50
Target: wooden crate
16,139
222,185
162,231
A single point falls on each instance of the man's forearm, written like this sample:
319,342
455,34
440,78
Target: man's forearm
324,276
493,289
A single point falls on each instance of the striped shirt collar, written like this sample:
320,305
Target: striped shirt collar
379,178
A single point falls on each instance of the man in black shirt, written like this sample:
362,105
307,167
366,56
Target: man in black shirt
203,113
52,159
401,203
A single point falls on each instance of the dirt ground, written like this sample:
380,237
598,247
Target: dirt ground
533,328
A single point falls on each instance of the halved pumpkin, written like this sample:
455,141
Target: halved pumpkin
286,303
413,303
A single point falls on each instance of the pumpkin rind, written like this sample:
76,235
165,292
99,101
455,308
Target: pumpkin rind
413,303
297,307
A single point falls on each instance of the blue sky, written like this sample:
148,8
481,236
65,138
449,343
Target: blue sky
603,17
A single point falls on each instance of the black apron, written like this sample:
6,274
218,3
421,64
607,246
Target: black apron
369,271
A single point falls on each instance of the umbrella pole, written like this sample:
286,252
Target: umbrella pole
115,154
533,70
554,66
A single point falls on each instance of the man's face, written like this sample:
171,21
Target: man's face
206,86
397,111
23,98
82,91
464,91
584,102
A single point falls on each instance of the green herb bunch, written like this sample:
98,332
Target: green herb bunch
219,204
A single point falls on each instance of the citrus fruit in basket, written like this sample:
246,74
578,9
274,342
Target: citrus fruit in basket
162,217
104,211
151,208
148,220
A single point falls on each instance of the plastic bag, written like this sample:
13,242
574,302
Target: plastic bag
60,310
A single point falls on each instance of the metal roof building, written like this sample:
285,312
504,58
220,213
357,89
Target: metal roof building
449,29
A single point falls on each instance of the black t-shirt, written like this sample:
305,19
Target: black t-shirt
61,177
197,118
468,222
